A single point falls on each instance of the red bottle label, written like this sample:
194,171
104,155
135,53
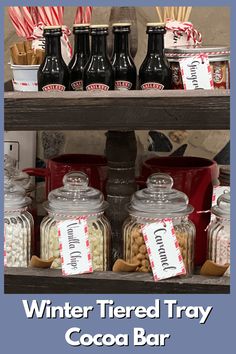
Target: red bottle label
54,88
77,85
97,87
122,85
152,86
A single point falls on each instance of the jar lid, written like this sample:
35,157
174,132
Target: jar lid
19,177
76,196
216,50
160,199
222,209
14,195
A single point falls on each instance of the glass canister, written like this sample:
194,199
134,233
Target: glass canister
71,201
157,202
18,225
219,59
219,231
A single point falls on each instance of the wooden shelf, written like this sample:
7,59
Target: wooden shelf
133,110
41,281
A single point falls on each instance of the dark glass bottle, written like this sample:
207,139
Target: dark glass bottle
125,70
155,72
80,57
98,73
53,74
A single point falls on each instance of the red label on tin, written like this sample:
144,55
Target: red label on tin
152,86
77,85
217,73
97,87
121,85
54,88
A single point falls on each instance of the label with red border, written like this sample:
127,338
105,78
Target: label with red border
54,88
74,246
122,85
196,73
163,249
152,86
77,85
97,87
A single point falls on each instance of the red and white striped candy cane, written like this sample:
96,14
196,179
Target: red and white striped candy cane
79,15
87,14
18,21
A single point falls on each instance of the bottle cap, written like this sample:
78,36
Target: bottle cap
121,27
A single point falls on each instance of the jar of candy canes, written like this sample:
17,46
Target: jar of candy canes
157,202
73,200
18,225
219,231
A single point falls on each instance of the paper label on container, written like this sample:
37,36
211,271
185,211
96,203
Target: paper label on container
163,250
152,86
77,85
196,73
122,85
74,246
54,88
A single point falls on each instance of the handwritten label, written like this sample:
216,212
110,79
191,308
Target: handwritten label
196,73
74,247
163,250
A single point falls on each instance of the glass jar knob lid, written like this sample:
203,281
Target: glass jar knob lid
76,195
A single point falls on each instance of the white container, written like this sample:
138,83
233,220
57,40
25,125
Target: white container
25,77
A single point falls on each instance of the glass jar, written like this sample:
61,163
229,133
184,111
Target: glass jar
157,202
219,60
219,231
18,226
71,201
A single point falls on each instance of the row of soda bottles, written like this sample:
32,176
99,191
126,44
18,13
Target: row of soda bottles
92,70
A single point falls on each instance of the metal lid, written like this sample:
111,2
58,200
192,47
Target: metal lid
156,24
121,24
52,30
81,28
99,29
76,196
14,195
222,209
156,27
211,50
159,199
121,27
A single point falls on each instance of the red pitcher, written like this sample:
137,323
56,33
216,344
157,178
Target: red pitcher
95,166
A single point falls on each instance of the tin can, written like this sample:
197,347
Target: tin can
219,58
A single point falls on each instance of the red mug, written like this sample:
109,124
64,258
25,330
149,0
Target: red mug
95,166
196,177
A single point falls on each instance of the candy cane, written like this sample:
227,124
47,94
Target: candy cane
28,18
17,21
88,14
79,15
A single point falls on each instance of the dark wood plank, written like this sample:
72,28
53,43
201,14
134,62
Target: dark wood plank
118,110
41,281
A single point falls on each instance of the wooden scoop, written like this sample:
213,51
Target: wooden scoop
214,269
37,262
121,266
